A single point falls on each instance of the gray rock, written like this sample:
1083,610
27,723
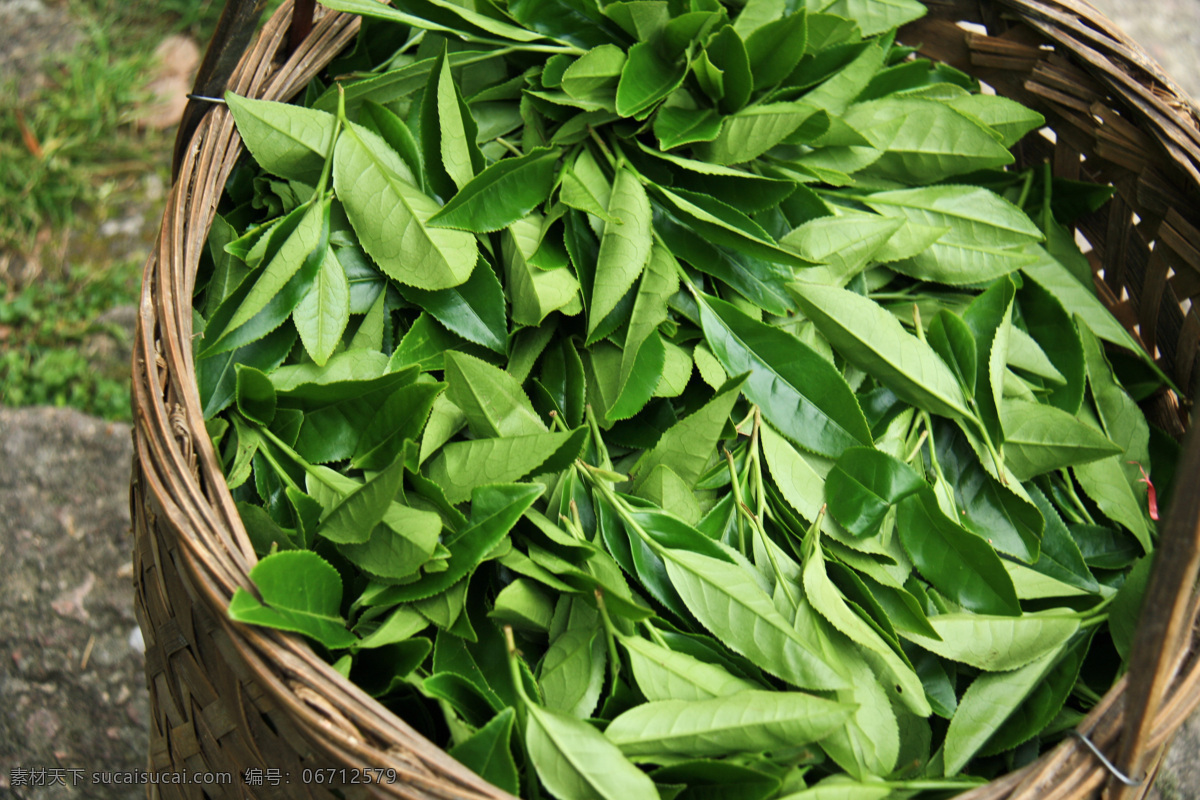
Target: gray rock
73,683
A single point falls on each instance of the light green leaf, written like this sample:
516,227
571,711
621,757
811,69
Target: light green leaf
877,16
997,644
844,244
390,214
500,195
487,752
666,674
983,231
830,604
646,79
572,672
576,762
321,317
492,400
988,702
533,291
924,141
356,515
1039,438
874,341
735,609
753,131
463,466
688,445
624,247
748,722
286,140
1008,118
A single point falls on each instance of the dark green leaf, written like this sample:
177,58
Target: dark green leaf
255,395
488,752
863,486
958,563
646,80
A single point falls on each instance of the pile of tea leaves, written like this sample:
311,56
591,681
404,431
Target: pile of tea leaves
670,398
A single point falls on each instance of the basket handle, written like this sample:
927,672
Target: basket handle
1164,617
232,36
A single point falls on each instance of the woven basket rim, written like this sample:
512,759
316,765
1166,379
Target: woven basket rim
177,465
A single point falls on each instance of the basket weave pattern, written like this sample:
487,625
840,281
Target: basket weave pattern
227,698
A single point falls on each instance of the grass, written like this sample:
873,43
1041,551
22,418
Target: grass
70,153
49,335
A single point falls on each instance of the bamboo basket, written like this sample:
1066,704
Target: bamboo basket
227,698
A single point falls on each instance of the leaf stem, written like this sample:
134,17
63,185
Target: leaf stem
612,161
521,708
610,636
735,483
760,488
1075,499
655,635
937,468
509,146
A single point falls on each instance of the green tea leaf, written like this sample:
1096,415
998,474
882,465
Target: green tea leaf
831,605
494,511
872,340
474,310
1040,438
322,315
301,592
924,141
533,291
624,247
737,611
983,233
987,703
464,466
799,392
401,417
958,563
256,398
751,721
646,79
864,485
1079,299
352,520
502,194
261,305
286,140
390,215
1008,118
572,672
488,752
666,674
493,401
775,48
687,446
753,131
576,762
877,16
998,644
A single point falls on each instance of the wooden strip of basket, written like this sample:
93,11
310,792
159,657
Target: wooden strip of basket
230,698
